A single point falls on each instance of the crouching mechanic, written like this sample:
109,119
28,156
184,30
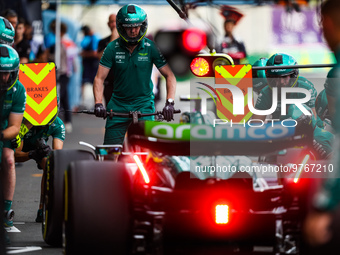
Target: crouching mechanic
12,104
34,146
131,58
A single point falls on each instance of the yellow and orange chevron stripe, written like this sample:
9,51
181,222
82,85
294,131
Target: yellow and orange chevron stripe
236,75
39,80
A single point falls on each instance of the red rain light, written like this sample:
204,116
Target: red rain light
142,169
194,40
221,214
199,66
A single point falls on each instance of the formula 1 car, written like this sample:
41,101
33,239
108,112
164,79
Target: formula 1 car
192,187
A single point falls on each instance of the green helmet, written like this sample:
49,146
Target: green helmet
131,15
6,32
259,76
9,63
302,120
281,59
321,105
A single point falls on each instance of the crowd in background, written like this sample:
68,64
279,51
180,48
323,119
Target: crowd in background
32,51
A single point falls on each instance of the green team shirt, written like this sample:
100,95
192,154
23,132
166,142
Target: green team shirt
132,72
56,130
265,100
14,101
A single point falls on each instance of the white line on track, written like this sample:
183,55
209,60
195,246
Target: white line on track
12,230
16,250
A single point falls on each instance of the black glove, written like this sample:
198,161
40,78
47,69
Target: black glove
34,155
100,111
45,150
16,142
168,110
40,153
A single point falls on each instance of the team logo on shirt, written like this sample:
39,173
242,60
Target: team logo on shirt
143,57
120,57
7,104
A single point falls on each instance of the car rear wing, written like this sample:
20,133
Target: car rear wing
194,140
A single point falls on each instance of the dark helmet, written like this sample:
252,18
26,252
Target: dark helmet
6,32
9,63
259,76
131,15
281,59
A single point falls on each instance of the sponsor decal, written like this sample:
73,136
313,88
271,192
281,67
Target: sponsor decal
220,131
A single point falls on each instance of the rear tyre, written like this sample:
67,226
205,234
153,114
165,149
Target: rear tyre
53,192
98,208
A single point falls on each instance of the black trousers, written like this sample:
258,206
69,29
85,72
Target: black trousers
64,101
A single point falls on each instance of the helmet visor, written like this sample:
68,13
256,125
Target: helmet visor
7,79
282,81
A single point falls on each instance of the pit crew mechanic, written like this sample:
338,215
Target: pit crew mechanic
131,57
319,226
12,102
29,149
290,78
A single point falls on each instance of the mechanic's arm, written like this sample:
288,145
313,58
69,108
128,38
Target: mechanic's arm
19,155
14,123
57,144
314,112
170,81
98,84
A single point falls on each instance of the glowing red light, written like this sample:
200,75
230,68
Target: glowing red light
221,214
194,40
199,66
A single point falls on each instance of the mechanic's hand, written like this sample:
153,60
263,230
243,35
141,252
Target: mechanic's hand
33,154
45,150
320,150
168,110
40,153
16,142
100,111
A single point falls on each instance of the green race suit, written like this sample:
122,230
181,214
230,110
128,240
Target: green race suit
56,130
264,101
14,101
328,197
132,88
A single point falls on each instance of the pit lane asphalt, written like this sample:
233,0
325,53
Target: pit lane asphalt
86,128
